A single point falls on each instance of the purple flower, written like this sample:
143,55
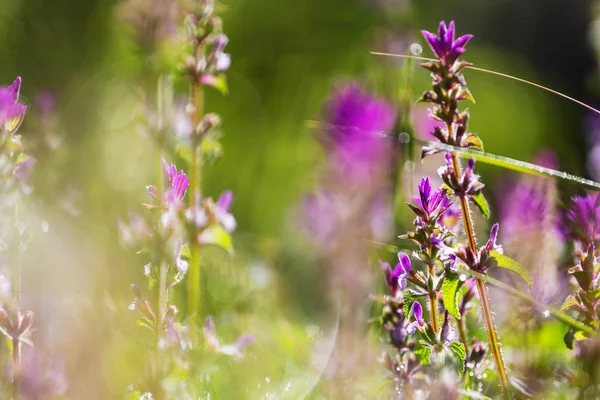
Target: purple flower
583,219
355,137
444,46
396,278
178,185
11,111
430,205
479,261
467,185
222,211
419,323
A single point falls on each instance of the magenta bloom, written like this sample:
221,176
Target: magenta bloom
584,219
11,111
178,184
358,123
396,278
444,46
419,322
430,205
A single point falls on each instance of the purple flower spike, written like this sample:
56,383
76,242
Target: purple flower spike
583,219
11,111
444,46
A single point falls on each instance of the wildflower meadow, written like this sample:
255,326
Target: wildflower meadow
341,199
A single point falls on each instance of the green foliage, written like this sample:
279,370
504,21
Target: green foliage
423,353
459,355
452,294
481,203
505,262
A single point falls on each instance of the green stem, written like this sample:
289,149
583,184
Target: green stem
483,293
433,302
195,269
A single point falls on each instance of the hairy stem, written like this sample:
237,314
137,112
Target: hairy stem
483,293
433,302
195,272
161,306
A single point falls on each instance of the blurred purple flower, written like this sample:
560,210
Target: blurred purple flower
42,378
423,123
445,47
396,278
358,122
11,111
583,219
214,343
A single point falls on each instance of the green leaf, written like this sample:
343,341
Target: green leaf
452,294
581,336
511,265
459,356
512,164
423,353
218,236
569,302
481,203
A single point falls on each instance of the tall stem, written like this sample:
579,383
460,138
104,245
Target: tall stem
462,334
483,293
433,302
195,269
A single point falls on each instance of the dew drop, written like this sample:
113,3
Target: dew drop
404,137
416,49
471,373
484,375
462,277
288,386
479,376
268,379
45,226
546,313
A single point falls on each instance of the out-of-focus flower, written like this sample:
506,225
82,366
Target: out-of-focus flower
214,343
356,137
11,110
222,211
530,229
445,47
42,378
396,278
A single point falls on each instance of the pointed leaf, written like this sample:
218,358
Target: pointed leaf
218,236
452,294
569,302
481,203
472,141
508,263
459,356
